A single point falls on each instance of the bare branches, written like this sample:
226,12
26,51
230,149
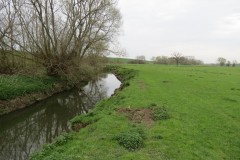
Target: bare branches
58,31
177,57
7,19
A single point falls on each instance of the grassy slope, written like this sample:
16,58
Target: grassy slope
203,103
13,86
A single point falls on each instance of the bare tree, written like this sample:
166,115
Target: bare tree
177,57
7,27
142,58
162,60
228,64
7,19
221,61
61,33
234,63
153,59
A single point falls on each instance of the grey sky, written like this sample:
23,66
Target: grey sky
205,29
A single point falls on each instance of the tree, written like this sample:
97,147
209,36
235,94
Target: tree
234,63
7,18
221,61
7,27
62,33
162,60
139,60
177,57
153,58
228,63
142,58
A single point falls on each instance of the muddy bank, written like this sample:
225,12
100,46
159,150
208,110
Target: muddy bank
20,102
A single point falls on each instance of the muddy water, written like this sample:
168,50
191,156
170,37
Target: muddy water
25,131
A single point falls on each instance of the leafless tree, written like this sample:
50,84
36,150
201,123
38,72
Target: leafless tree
221,61
228,64
61,33
234,63
153,59
7,19
7,27
177,57
162,60
142,58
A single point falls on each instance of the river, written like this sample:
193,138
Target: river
25,131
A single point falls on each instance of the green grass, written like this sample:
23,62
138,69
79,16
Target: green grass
13,86
122,60
119,60
203,104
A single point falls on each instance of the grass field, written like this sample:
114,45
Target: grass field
203,104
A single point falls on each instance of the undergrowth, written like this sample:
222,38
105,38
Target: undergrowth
159,112
132,139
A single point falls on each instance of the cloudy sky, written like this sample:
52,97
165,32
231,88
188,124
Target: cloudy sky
205,29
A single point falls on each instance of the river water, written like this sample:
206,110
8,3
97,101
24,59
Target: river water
24,131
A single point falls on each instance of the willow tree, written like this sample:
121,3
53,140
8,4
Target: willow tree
7,17
61,33
7,27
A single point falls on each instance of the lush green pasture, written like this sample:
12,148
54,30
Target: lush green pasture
204,108
14,85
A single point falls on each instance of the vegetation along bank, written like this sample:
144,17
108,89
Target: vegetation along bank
163,112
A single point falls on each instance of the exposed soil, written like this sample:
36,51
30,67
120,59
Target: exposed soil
138,115
77,127
7,106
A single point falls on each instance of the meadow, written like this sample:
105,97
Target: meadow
203,117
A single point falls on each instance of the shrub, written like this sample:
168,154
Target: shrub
159,113
131,140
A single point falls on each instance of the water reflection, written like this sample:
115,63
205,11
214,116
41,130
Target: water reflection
25,131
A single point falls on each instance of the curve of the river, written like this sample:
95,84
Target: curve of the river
24,131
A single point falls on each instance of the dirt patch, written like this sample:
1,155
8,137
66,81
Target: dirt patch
138,115
79,126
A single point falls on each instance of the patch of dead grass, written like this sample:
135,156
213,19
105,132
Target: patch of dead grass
144,116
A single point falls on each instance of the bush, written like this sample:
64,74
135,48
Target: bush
159,112
131,140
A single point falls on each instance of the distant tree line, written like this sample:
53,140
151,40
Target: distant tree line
224,62
176,58
139,60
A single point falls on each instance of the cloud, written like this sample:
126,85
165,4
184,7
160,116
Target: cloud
201,28
229,26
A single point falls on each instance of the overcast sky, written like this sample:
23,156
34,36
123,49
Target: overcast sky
205,29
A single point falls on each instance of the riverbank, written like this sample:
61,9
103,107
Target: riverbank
42,122
165,112
18,92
